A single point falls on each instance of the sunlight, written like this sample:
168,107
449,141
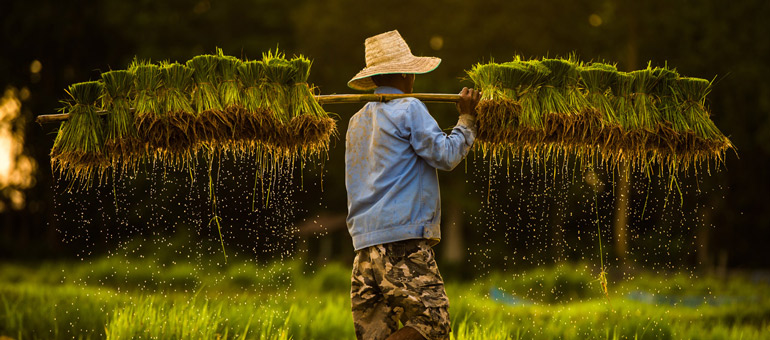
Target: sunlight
17,170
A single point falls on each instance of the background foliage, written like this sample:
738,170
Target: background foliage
50,44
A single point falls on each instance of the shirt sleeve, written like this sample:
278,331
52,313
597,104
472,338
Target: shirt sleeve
442,151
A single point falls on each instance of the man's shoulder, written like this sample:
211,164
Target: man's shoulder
396,109
413,102
362,111
406,105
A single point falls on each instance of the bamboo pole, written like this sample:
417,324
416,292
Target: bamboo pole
322,99
53,118
381,97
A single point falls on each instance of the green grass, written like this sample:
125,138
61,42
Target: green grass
133,298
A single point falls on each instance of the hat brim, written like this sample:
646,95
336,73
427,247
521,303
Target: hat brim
416,65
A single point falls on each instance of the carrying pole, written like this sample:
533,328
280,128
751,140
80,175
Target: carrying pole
382,97
322,99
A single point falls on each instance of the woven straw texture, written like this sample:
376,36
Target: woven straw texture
388,53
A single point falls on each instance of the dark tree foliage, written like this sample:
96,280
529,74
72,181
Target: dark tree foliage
76,40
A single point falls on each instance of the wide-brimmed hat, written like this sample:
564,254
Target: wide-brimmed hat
388,53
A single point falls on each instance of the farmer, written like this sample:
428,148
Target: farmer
392,151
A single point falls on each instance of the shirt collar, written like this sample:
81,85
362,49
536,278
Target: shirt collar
387,90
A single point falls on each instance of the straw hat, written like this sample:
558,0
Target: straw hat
388,53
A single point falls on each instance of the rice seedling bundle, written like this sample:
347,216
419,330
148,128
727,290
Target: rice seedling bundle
599,125
554,103
492,108
179,121
552,94
169,110
664,99
77,153
670,127
622,102
632,143
595,112
597,79
229,91
311,126
279,74
500,108
231,120
122,144
586,120
532,116
575,98
149,113
644,105
205,98
257,119
703,135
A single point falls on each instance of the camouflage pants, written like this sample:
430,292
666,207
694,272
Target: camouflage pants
395,282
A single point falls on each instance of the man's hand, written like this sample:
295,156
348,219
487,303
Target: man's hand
468,100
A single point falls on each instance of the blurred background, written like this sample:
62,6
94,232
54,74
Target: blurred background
495,216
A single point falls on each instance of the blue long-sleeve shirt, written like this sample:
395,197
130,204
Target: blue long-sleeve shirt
392,151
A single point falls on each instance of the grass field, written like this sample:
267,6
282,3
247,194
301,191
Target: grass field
122,298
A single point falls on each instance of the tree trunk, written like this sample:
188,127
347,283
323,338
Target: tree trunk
620,232
454,249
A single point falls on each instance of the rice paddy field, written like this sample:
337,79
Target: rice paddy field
135,298
188,182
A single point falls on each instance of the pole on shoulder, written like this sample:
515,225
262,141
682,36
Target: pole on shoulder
322,99
381,97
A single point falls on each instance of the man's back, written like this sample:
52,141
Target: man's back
392,152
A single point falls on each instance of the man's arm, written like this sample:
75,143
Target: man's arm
440,150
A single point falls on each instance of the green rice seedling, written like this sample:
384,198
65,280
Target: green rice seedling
644,84
600,125
279,74
622,103
149,113
664,99
180,145
251,75
690,95
649,116
122,145
669,132
532,116
229,91
586,120
147,83
299,89
560,117
205,98
499,109
230,97
632,139
77,153
311,126
552,93
703,136
575,98
491,110
597,80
